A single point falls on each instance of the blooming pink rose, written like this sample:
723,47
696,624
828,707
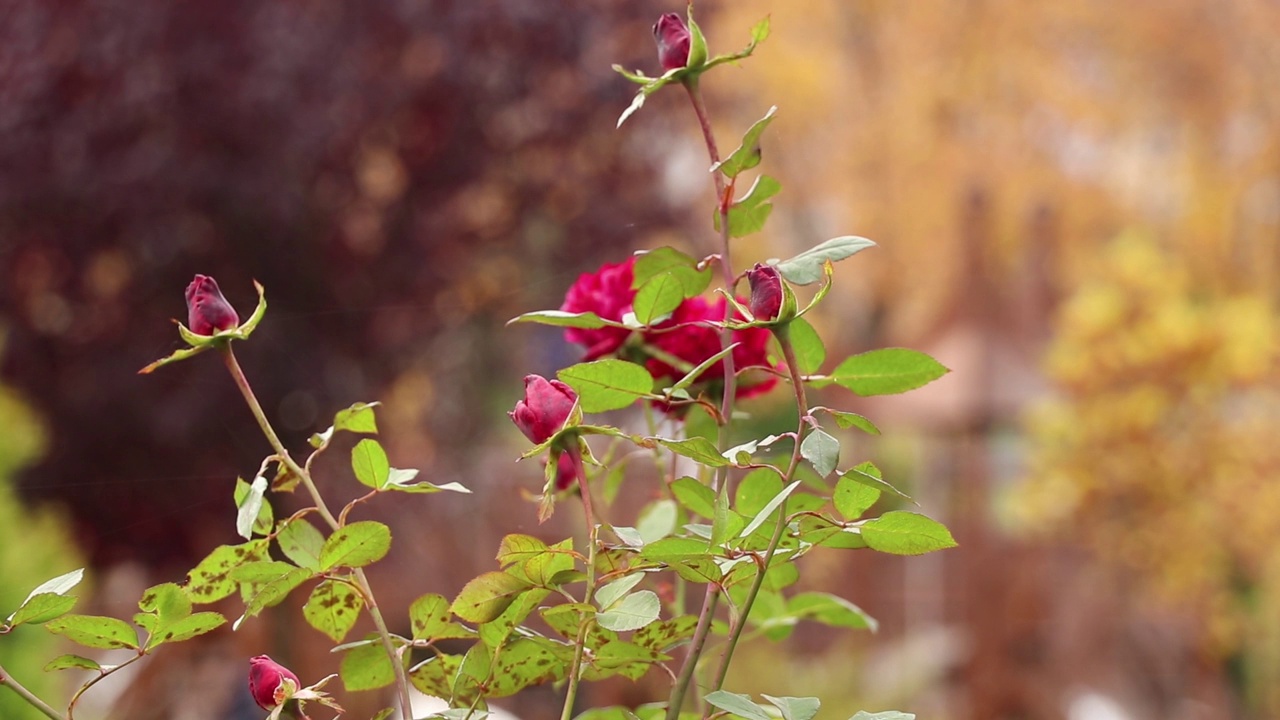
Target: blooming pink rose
766,291
266,678
207,310
672,37
607,293
694,343
545,408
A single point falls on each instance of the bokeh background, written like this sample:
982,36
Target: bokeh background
1077,206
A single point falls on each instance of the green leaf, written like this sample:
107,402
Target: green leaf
42,608
748,214
55,586
265,584
525,662
831,610
605,385
429,615
822,451
853,498
695,448
760,31
794,708
632,612
560,318
517,548
301,542
186,628
485,597
657,298
211,580
869,475
369,461
807,344
847,420
543,569
355,545
747,155
697,44
667,634
95,631
886,371
806,267
669,261
906,533
768,509
694,496
657,520
737,704
253,512
886,715
434,676
358,418
366,667
469,685
333,609
614,591
70,662
756,489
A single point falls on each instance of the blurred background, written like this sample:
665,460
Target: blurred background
1077,207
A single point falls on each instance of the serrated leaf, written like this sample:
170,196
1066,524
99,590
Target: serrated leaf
434,676
749,213
737,704
301,542
188,627
847,420
657,298
604,385
359,418
830,610
747,155
632,612
402,480
431,620
210,580
560,318
806,267
657,520
668,260
886,371
42,608
614,591
370,464
95,631
795,708
694,496
333,609
667,634
807,344
853,498
869,475
695,448
485,597
768,509
906,533
756,489
55,586
366,667
355,545
525,662
72,662
822,451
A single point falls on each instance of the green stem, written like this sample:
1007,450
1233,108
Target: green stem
712,596
584,626
71,706
12,683
379,623
802,405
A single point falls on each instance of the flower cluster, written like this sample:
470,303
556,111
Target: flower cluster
688,335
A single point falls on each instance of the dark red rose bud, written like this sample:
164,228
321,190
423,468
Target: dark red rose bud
566,473
766,291
545,408
207,310
266,677
672,37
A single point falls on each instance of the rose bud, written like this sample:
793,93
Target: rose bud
672,37
566,473
208,311
766,291
546,406
267,682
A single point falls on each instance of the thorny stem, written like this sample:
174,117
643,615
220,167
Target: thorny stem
802,404
12,683
712,596
237,374
584,626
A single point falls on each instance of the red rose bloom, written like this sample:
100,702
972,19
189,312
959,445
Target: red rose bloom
694,343
607,293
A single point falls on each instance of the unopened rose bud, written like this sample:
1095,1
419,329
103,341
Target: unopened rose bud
269,682
672,36
208,311
546,406
766,291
